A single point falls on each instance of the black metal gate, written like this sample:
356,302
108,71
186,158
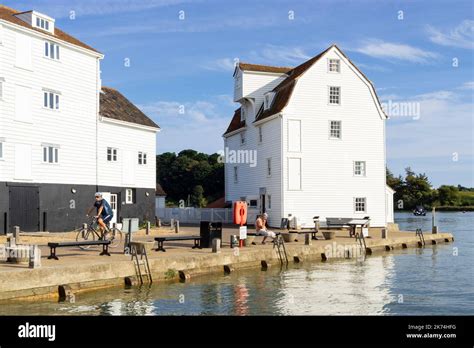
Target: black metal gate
24,208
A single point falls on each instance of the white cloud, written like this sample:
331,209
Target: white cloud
222,64
268,55
467,85
461,36
395,51
444,127
275,55
372,67
195,125
61,9
194,112
384,97
436,95
197,25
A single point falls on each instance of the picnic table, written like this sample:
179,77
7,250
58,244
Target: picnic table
354,223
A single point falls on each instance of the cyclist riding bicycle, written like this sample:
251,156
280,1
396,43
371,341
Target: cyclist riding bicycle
104,211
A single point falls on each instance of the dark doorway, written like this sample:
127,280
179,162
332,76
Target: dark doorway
24,208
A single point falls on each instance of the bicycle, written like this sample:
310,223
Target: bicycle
92,233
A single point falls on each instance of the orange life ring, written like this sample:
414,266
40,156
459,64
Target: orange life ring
240,212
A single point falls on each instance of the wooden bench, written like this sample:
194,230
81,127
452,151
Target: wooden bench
306,231
161,240
105,246
337,222
350,223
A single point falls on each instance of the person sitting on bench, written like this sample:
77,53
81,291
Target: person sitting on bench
261,227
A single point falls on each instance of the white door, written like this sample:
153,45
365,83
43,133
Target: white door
112,199
113,205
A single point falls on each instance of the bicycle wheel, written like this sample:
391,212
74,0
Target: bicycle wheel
115,236
83,236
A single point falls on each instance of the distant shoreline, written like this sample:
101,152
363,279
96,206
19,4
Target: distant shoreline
442,208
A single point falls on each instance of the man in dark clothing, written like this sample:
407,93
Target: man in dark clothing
104,211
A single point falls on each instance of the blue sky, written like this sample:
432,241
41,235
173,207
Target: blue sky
189,62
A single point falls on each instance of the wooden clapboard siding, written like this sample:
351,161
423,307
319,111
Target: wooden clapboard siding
73,127
126,139
328,184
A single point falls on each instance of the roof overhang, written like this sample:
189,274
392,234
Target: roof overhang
266,119
128,124
50,37
234,132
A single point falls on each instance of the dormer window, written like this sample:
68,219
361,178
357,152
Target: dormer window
267,100
42,23
37,20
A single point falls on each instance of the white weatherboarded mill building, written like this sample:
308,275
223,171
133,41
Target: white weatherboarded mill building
63,136
318,131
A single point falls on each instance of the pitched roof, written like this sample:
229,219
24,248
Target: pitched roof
114,105
218,203
159,191
264,68
235,123
8,14
284,90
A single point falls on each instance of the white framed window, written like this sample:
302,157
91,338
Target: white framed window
242,138
142,158
51,100
334,65
112,154
50,154
42,23
51,50
129,196
269,202
334,95
260,134
360,204
335,129
236,174
269,167
359,168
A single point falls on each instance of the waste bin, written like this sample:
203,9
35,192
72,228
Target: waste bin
208,231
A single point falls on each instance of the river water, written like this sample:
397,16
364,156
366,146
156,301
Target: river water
435,280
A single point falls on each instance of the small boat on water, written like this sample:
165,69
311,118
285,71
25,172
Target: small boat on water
419,211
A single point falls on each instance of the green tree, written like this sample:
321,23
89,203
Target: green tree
448,195
177,174
197,197
417,189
